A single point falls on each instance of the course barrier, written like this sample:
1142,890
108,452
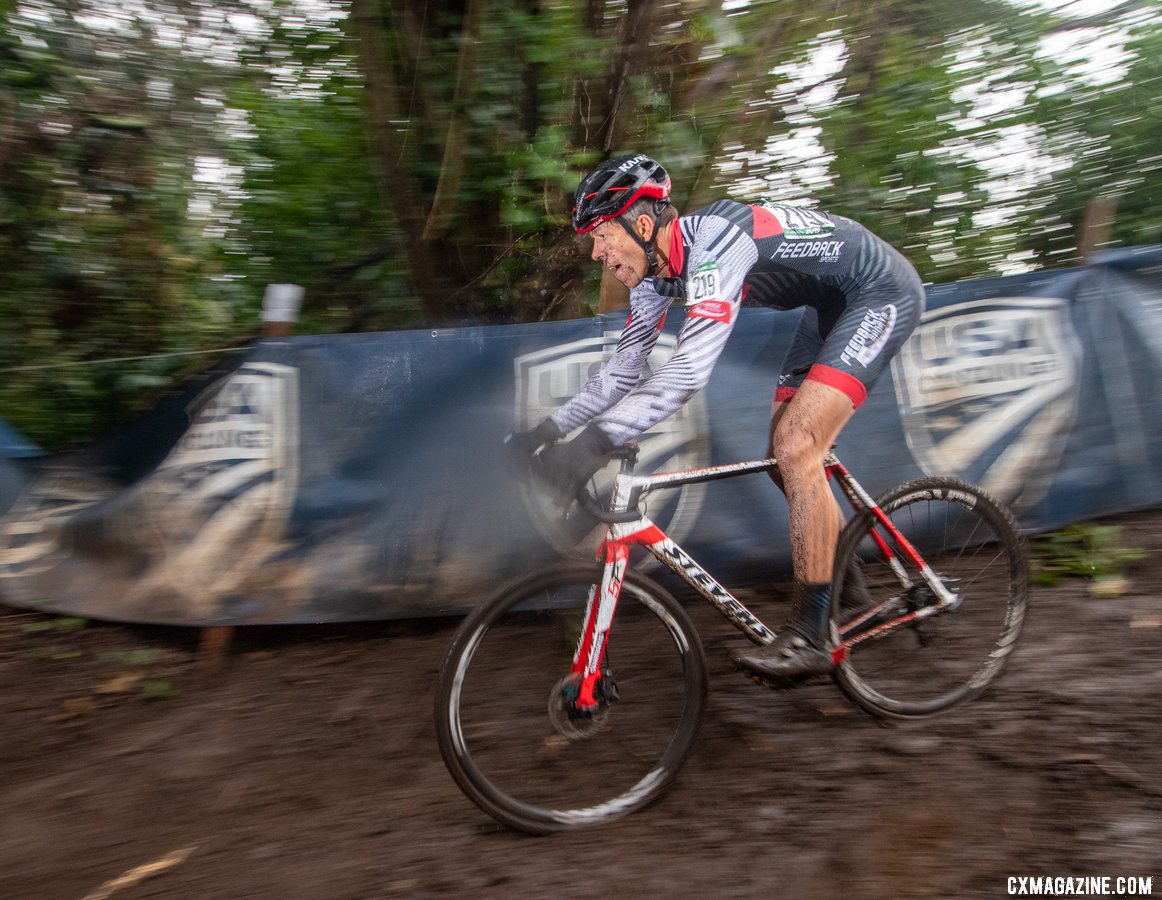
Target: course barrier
352,477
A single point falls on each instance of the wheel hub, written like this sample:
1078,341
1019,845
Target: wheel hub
568,718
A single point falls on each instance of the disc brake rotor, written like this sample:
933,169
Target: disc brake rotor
570,722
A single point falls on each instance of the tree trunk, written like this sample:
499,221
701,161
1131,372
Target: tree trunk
452,167
1097,225
396,153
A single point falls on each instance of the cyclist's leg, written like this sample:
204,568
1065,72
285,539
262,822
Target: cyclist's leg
851,358
806,345
778,410
810,410
803,430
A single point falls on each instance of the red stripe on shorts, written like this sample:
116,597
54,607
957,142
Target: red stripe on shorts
841,381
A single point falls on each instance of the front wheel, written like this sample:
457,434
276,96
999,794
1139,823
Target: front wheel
508,732
904,651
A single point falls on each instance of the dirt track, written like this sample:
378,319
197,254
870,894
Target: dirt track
307,768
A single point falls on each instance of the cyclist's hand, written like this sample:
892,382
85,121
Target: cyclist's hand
566,467
523,445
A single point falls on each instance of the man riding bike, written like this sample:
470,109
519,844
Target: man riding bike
861,297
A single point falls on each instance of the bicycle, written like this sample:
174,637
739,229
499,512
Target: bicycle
573,695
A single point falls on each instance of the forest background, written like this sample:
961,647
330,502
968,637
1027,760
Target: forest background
411,163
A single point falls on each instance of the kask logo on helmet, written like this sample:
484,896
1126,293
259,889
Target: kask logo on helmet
632,162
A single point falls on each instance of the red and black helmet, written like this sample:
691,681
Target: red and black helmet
614,186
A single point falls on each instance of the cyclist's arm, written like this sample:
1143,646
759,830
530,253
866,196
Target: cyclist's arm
620,372
713,296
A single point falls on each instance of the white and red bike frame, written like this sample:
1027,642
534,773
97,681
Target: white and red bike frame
629,527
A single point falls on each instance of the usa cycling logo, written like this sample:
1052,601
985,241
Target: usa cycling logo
988,392
219,502
216,504
35,533
546,379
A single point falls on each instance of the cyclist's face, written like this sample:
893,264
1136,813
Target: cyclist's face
616,250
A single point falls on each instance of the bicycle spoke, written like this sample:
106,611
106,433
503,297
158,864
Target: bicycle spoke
507,724
926,654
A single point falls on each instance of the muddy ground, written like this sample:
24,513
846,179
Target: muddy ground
307,768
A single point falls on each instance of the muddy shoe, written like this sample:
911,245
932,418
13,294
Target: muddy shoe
790,657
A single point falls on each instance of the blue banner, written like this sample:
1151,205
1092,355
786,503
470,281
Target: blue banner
349,477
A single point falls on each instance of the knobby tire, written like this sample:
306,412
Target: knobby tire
923,668
532,768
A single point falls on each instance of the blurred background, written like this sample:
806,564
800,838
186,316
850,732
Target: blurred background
411,164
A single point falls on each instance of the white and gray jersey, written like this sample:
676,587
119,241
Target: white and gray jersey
863,300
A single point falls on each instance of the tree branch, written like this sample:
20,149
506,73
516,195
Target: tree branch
452,166
395,150
634,40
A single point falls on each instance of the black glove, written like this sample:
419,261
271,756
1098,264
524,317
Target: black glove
522,445
566,467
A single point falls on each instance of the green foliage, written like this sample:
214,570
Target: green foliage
55,625
134,658
159,689
1103,135
1081,551
99,253
412,164
308,196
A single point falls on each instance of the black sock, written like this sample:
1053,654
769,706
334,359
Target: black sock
811,609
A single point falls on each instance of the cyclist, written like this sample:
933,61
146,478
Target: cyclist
861,300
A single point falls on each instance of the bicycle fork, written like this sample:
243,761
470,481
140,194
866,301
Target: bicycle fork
599,609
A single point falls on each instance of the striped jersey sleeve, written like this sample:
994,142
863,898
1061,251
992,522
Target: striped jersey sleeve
621,371
721,255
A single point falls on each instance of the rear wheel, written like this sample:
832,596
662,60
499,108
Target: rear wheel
942,653
509,732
